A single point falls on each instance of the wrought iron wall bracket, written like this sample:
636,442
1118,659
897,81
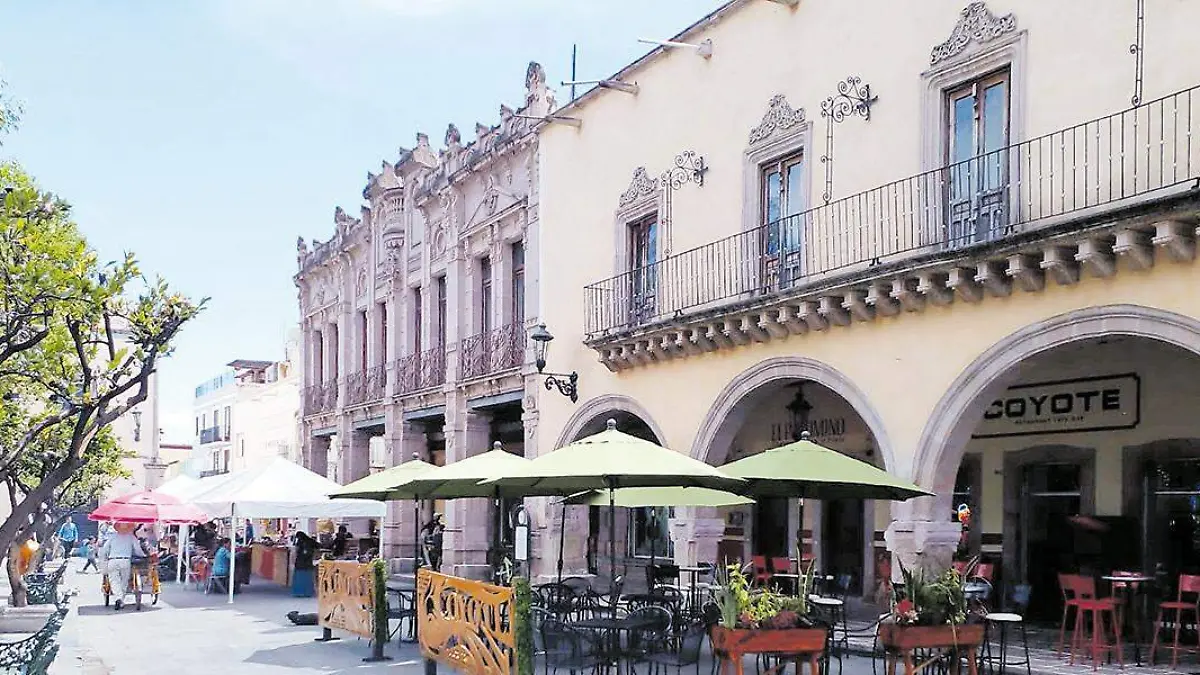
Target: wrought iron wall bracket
567,384
853,98
689,167
1138,50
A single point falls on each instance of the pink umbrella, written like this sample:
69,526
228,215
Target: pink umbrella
148,507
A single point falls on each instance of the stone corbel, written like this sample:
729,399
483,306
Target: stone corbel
812,316
1176,238
907,292
992,276
789,316
1135,245
962,282
934,286
751,326
769,321
831,308
879,296
855,302
1026,272
1061,264
1097,256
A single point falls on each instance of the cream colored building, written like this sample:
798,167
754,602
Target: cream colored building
415,316
947,221
137,433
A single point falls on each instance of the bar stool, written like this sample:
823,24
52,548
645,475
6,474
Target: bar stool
1066,585
1000,622
1189,584
1084,591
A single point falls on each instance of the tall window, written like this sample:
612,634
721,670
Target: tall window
977,116
363,337
783,200
318,358
418,319
228,418
643,253
216,419
441,312
335,365
197,426
649,532
485,294
383,333
518,283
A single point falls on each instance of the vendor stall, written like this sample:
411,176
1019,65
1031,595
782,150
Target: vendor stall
271,562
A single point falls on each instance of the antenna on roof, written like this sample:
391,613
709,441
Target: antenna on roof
574,49
704,49
607,84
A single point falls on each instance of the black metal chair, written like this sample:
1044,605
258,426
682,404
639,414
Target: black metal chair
403,610
686,654
558,599
566,647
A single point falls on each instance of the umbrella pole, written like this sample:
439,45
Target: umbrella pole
416,539
232,550
562,536
612,541
180,547
653,539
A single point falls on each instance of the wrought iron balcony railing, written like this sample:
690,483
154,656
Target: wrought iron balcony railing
492,352
320,398
1104,164
366,386
212,435
420,371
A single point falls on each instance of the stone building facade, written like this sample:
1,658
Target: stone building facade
415,316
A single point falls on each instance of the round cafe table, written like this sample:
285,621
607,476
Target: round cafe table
1133,590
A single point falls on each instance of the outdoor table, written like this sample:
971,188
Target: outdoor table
977,593
693,576
1133,587
612,627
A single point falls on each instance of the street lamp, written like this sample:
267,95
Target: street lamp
567,384
801,409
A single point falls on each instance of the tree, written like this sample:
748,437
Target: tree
79,342
11,110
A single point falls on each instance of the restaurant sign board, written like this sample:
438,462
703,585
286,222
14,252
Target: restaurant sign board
1064,406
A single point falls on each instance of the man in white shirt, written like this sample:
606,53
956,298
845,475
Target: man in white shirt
118,551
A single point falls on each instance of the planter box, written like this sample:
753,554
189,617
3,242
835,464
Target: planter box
897,637
738,641
25,619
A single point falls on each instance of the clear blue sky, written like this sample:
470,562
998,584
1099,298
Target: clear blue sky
205,135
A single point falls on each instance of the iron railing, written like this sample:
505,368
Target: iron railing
1104,164
366,386
420,371
320,398
212,435
494,351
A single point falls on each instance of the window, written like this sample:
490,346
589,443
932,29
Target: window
334,339
441,312
418,319
242,447
977,132
783,202
383,333
518,283
197,426
649,532
643,253
228,421
216,419
318,358
485,294
364,335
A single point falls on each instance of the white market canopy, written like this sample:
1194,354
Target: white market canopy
280,489
178,487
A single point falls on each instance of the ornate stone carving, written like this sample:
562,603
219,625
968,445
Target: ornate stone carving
453,137
360,283
642,185
437,241
491,195
301,250
976,23
780,116
394,250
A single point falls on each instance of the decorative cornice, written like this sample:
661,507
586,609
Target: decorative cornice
642,185
976,23
780,116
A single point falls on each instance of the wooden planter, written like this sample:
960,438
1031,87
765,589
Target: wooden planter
903,638
736,642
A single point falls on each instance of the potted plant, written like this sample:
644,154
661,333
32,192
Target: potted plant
931,612
759,620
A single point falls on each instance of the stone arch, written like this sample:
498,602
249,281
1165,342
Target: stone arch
726,416
944,439
603,405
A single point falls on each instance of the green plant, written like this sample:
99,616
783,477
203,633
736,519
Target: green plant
523,624
935,600
379,575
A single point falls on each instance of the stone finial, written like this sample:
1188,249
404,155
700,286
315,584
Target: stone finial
453,137
301,250
505,112
481,130
535,77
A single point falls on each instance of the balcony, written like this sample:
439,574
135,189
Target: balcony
213,435
421,371
1114,186
213,472
491,352
320,398
367,386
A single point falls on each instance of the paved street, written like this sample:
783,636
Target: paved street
189,632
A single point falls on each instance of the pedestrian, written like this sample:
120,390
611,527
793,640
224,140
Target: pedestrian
302,574
68,534
432,539
88,551
119,551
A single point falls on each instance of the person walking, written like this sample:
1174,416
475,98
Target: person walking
434,532
89,552
119,551
302,572
68,534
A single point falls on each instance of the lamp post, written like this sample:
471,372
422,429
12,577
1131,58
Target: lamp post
566,383
801,410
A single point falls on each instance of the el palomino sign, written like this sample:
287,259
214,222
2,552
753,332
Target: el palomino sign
1065,406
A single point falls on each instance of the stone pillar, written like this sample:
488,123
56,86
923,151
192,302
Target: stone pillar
468,534
926,545
356,451
404,441
696,533
316,453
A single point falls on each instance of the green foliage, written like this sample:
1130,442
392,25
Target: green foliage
379,575
11,110
935,600
523,625
742,606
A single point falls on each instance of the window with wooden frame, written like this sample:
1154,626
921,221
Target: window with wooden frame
783,200
977,123
518,283
643,254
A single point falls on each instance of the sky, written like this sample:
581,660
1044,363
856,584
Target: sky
206,135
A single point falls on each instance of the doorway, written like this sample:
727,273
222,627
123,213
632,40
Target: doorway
771,527
1052,493
842,540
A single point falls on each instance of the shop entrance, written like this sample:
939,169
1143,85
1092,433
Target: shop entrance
1172,510
771,527
1051,494
842,540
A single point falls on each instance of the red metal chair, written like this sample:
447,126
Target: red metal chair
1190,585
761,576
984,571
1082,590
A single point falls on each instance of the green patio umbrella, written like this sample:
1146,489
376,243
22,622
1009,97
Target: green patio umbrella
390,484
607,460
804,469
462,479
653,497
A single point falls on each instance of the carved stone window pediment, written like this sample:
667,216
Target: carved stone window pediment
642,186
780,116
976,24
